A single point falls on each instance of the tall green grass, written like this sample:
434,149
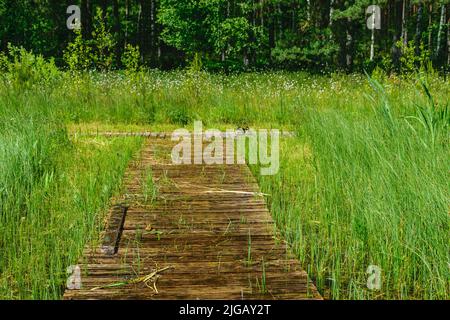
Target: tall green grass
255,99
369,186
364,183
53,194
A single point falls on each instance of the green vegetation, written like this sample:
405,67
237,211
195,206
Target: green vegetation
173,99
149,188
53,194
364,186
233,35
365,182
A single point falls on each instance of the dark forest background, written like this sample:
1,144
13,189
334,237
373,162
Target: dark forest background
235,34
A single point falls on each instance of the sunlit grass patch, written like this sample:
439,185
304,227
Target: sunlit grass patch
360,184
363,188
63,209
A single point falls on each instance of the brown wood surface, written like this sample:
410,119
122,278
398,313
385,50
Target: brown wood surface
208,235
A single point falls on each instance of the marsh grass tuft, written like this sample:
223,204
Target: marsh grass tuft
371,187
54,195
149,188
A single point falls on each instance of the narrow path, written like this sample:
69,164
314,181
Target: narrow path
208,235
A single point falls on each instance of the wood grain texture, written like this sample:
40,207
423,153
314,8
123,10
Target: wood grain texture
210,228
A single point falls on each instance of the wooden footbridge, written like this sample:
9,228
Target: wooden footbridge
205,234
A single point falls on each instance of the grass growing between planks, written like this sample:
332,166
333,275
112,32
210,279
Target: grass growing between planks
149,188
368,187
54,193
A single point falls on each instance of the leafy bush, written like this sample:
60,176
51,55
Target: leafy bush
23,69
96,53
130,58
410,62
295,53
179,116
103,44
3,62
78,53
233,36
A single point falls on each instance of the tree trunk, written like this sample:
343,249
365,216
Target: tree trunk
227,15
404,26
139,31
145,29
253,13
439,36
262,12
86,22
104,7
280,22
349,47
127,9
308,10
448,43
419,28
117,31
372,42
330,22
271,27
153,39
293,20
396,53
430,24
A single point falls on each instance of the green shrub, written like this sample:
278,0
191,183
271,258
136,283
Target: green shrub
25,69
103,44
78,54
131,58
96,53
179,116
410,62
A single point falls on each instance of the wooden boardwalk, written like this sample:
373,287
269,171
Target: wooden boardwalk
208,235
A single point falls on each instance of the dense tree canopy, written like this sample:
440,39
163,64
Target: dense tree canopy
240,34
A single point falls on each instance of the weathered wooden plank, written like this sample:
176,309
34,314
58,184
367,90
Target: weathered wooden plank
209,225
111,238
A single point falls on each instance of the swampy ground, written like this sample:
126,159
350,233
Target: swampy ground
364,181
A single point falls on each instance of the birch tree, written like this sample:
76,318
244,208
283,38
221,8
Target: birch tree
441,26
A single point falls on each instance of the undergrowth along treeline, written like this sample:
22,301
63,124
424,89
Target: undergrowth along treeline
237,34
142,96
